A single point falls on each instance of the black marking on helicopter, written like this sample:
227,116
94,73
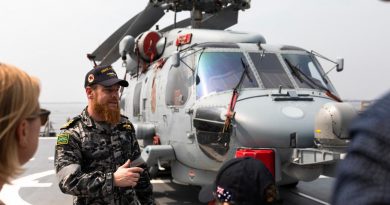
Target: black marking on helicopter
293,99
287,95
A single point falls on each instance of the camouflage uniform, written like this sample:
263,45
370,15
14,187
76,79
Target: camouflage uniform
88,153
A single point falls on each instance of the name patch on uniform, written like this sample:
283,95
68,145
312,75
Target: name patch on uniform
63,138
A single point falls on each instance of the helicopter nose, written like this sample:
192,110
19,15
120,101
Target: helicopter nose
262,122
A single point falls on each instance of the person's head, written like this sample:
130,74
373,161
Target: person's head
102,88
19,120
244,181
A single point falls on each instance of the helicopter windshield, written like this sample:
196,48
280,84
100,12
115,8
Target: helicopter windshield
271,71
306,71
220,71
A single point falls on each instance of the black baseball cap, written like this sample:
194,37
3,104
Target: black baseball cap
103,75
239,180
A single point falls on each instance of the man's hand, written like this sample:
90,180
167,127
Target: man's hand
125,176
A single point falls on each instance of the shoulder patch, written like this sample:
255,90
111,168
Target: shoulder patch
128,126
70,123
63,138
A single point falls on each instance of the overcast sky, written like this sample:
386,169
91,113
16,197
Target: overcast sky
50,38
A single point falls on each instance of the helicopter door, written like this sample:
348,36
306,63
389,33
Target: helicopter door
177,96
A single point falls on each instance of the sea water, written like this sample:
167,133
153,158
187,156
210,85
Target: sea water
60,113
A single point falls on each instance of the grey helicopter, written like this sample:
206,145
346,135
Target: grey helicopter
199,95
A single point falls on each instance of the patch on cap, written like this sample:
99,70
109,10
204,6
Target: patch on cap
91,78
111,74
108,68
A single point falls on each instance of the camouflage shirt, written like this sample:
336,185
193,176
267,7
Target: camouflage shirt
88,153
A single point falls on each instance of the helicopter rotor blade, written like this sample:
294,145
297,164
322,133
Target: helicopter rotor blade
226,18
107,52
181,24
101,51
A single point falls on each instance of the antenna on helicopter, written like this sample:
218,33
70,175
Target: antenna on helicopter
197,17
92,59
175,18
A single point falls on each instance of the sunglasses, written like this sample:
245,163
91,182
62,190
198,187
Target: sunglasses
43,114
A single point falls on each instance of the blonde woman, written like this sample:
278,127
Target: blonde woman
20,120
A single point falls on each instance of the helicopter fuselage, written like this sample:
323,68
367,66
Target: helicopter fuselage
182,101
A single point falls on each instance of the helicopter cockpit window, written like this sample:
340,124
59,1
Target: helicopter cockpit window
220,71
136,99
306,72
270,70
178,85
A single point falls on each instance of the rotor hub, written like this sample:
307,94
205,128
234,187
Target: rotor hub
207,6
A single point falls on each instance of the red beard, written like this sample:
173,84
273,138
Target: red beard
110,115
